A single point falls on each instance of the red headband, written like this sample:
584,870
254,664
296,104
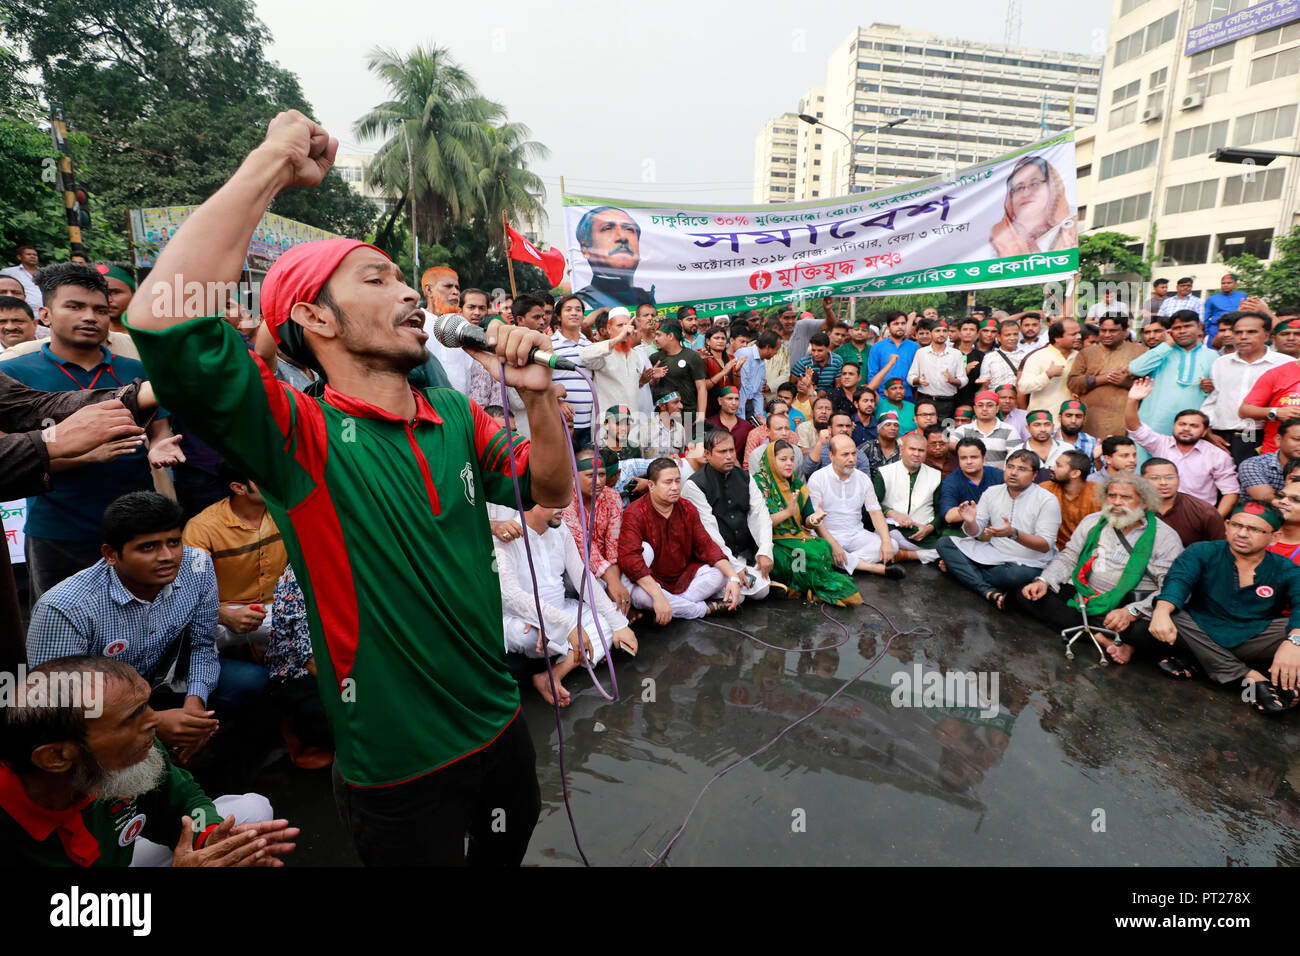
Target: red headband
300,274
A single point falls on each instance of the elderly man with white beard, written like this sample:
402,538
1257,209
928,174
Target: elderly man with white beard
1115,562
85,782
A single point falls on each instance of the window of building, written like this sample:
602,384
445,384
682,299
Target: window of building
1277,36
1256,186
1252,242
1220,54
1083,214
1155,100
1207,10
1128,209
1084,170
1124,92
1147,39
1209,84
1129,160
1200,140
1190,250
1265,125
1191,196
1158,77
1275,66
1122,115
1128,6
1135,248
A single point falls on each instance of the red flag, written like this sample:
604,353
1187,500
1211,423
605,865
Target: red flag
551,261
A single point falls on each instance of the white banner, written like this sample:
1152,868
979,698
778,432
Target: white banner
1008,221
14,516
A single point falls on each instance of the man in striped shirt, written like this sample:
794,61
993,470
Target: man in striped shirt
568,341
824,363
999,438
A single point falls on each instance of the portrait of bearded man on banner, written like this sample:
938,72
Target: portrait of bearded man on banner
1037,216
441,290
610,241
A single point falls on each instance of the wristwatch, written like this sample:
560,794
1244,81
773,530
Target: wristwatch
1294,639
1272,415
735,579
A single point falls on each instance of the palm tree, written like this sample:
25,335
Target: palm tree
503,182
438,115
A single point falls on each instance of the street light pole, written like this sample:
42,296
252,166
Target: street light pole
853,143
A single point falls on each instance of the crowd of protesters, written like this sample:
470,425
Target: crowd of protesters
1136,469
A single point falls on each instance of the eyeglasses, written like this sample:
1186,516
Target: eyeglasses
1238,526
1033,185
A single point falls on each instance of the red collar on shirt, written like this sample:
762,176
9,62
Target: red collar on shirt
354,406
39,822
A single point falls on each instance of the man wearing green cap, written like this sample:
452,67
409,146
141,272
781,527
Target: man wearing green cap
1041,443
1070,418
1228,601
857,349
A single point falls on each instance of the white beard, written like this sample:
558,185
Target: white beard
1122,519
133,780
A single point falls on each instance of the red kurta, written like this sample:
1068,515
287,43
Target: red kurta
680,543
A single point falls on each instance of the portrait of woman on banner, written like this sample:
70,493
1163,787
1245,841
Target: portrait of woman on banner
1037,215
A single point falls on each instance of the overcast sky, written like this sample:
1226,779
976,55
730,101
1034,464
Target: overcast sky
670,90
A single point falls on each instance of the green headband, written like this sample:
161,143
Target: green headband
587,464
1074,404
1259,510
110,271
1039,416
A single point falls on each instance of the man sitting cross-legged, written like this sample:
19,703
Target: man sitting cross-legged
665,552
734,513
554,555
1228,601
1011,533
1115,562
908,491
843,492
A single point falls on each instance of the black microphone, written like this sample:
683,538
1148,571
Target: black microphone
457,332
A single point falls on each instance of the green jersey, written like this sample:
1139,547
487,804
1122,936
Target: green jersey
385,523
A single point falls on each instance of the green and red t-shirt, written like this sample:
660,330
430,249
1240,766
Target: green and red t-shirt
386,526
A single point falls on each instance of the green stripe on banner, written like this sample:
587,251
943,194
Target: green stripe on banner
999,273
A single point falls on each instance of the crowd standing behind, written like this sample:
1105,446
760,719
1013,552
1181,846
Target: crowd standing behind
1128,469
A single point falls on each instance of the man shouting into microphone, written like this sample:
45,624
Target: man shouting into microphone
379,490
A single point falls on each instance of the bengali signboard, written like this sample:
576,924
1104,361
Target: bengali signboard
151,229
1243,23
1007,221
14,516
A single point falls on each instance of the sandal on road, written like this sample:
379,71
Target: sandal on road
1271,699
997,598
1177,668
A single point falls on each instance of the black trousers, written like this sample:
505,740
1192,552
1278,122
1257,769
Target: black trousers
946,407
492,796
1239,449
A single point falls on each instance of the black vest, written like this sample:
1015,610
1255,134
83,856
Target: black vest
728,498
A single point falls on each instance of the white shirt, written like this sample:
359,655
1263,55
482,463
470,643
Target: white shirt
617,375
1233,378
931,364
1000,368
1034,511
455,362
1102,309
31,290
759,520
842,499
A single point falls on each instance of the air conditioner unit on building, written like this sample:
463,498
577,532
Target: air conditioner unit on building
1192,100
1153,114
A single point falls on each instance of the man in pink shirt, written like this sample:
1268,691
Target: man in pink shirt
1205,471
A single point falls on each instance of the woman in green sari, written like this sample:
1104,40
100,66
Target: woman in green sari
801,560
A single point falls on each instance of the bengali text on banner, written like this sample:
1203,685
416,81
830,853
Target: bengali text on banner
1007,221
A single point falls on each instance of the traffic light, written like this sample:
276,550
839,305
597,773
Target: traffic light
83,207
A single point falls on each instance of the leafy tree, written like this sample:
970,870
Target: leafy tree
1106,253
170,96
1277,282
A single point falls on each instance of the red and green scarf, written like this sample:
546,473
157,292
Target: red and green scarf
1134,568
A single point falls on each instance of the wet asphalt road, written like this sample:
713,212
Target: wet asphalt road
1081,765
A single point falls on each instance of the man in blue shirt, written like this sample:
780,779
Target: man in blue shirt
894,344
63,526
967,483
149,602
1227,299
